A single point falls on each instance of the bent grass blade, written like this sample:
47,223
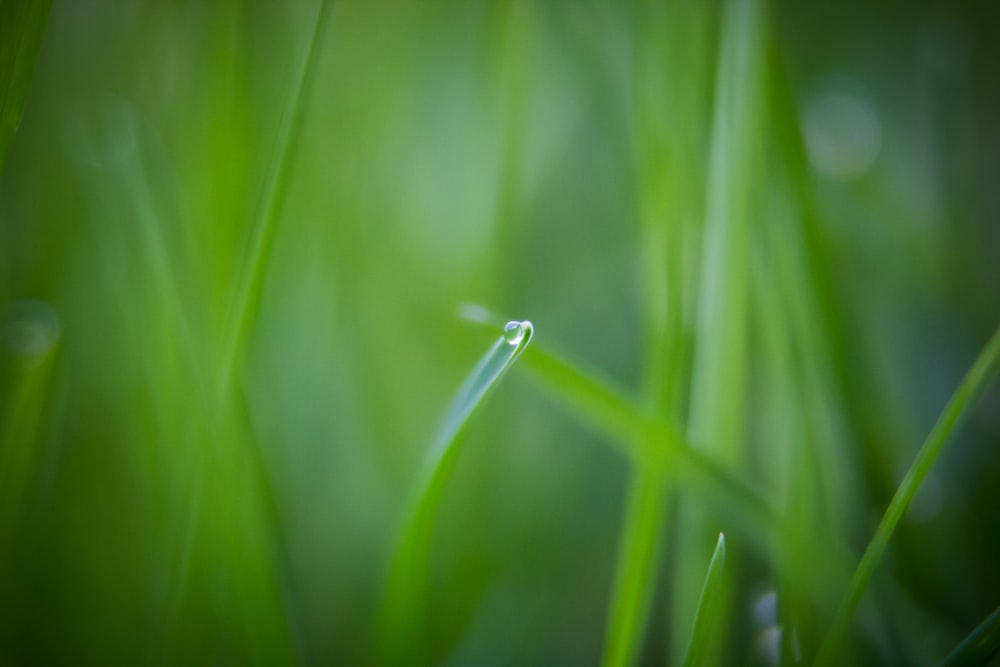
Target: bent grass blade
403,605
701,635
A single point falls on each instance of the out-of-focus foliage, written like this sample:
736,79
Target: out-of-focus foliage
228,290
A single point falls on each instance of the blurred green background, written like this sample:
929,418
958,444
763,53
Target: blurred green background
234,238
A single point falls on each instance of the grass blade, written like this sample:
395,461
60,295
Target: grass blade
246,293
404,597
981,644
718,399
972,386
701,636
637,560
22,27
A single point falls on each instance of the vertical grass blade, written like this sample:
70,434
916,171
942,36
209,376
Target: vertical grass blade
701,635
720,357
403,606
972,386
718,397
980,646
638,556
22,27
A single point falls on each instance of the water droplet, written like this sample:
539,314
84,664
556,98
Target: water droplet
513,332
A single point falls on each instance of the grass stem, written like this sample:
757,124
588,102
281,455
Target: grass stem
972,386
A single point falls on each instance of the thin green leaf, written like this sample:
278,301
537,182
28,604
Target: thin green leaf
704,621
972,386
22,27
246,292
980,646
716,419
404,597
639,549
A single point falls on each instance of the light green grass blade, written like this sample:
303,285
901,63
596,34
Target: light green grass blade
403,606
717,419
704,621
22,27
980,646
972,386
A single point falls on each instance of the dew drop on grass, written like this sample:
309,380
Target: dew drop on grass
513,332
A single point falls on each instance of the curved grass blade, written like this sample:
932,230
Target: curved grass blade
980,646
701,636
404,597
22,27
972,386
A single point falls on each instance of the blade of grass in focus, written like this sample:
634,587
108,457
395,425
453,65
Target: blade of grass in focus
964,398
22,28
403,607
704,621
980,646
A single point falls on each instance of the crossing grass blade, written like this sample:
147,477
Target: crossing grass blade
404,601
701,635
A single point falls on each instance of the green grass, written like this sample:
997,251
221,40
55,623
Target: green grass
980,646
965,397
22,32
702,636
232,236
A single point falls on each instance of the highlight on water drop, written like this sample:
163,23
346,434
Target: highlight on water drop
513,332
